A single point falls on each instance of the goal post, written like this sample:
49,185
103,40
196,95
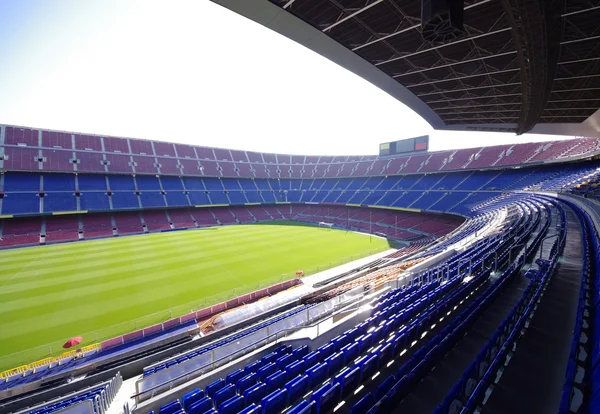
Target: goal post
325,225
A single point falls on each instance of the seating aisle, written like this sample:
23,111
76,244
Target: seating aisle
428,393
537,368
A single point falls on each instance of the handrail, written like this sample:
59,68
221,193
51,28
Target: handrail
253,344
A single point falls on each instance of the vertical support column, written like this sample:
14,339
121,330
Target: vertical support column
41,188
104,157
40,153
156,158
110,203
43,229
74,153
162,189
1,189
2,138
136,189
78,199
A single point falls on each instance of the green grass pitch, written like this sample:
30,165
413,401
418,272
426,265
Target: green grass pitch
102,288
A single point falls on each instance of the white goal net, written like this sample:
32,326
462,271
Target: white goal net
327,225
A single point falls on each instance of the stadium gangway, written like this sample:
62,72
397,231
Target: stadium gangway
493,354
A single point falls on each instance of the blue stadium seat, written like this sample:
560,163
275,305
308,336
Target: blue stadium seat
255,393
252,409
191,397
300,352
384,387
326,397
223,394
348,380
200,406
214,387
170,408
274,381
232,406
334,362
271,357
303,407
283,361
252,367
91,182
294,369
246,382
296,388
326,350
94,201
312,358
59,202
363,405
274,402
233,377
266,370
59,182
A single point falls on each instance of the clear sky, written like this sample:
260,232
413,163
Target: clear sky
193,72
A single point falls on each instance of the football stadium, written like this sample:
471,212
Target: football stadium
147,276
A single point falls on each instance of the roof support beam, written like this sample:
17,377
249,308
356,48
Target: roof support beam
570,109
575,90
456,63
583,39
468,98
567,62
350,16
408,29
514,118
442,46
477,106
288,4
574,100
594,75
481,112
470,89
463,77
566,116
580,11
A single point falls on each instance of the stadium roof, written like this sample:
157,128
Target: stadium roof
523,66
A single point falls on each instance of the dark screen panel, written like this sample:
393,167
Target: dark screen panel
405,146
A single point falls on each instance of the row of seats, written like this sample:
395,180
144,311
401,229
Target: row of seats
28,193
27,231
25,148
584,357
99,396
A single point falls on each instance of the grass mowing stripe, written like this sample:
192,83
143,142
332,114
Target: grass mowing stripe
96,288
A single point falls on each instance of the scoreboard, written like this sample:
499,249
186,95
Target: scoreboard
418,144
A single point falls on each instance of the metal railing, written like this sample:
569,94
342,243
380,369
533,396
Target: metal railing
337,309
